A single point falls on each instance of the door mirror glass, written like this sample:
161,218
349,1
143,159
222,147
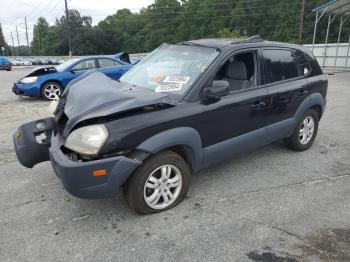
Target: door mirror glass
219,88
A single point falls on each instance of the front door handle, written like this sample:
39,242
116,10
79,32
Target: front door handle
258,104
303,92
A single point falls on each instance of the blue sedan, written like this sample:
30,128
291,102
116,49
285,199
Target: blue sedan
49,82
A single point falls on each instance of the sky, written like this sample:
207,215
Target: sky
13,13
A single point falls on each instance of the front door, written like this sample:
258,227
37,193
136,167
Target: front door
79,69
111,68
236,123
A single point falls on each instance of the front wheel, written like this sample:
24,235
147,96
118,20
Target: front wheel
160,183
51,91
305,132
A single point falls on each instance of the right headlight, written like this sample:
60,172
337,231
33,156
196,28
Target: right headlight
87,140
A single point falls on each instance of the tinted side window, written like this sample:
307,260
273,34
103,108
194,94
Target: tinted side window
105,62
303,63
279,65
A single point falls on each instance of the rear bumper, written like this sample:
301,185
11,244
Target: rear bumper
26,89
77,177
5,67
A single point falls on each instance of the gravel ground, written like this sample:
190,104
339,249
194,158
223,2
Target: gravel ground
269,205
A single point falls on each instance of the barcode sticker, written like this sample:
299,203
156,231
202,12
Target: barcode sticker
168,88
176,79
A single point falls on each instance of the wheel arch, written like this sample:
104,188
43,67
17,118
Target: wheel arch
318,110
313,101
184,141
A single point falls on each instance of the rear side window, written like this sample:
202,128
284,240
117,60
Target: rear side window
105,62
279,65
302,62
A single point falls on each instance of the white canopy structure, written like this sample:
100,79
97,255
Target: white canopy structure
334,8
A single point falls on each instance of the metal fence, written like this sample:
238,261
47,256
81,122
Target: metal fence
333,60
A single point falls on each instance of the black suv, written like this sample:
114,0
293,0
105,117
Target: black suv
182,108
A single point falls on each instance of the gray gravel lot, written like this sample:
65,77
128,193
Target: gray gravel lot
269,205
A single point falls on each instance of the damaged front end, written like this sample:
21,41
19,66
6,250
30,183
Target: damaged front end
68,139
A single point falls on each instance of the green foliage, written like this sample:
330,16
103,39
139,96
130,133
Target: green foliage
3,43
227,33
174,21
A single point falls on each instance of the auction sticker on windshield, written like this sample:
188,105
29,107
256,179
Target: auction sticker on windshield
176,79
168,88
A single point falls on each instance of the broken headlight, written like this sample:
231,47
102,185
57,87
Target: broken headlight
87,140
28,80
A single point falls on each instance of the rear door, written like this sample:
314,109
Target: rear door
286,87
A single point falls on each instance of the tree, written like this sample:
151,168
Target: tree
175,21
40,33
3,43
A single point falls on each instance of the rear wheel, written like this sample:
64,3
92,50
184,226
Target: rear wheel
51,91
305,132
160,183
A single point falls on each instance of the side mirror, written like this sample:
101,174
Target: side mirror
218,89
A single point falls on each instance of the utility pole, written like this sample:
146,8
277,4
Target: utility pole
68,29
19,48
13,45
301,25
25,20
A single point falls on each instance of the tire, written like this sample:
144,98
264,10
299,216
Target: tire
299,142
51,90
136,192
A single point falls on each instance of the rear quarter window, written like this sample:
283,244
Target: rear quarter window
304,65
279,65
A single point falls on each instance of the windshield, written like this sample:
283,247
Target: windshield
66,64
171,68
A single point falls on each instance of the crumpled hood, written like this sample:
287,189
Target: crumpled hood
41,70
95,95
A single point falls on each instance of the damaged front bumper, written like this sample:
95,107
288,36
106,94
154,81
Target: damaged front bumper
76,176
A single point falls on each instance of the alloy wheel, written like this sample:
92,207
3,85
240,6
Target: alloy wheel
306,130
52,91
162,187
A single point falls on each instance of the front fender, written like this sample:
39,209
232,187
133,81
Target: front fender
174,137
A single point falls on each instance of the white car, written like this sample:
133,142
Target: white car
24,62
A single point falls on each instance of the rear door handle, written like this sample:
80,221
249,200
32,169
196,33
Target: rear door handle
303,92
258,104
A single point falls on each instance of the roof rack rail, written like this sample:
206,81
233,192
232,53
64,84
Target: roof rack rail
252,39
